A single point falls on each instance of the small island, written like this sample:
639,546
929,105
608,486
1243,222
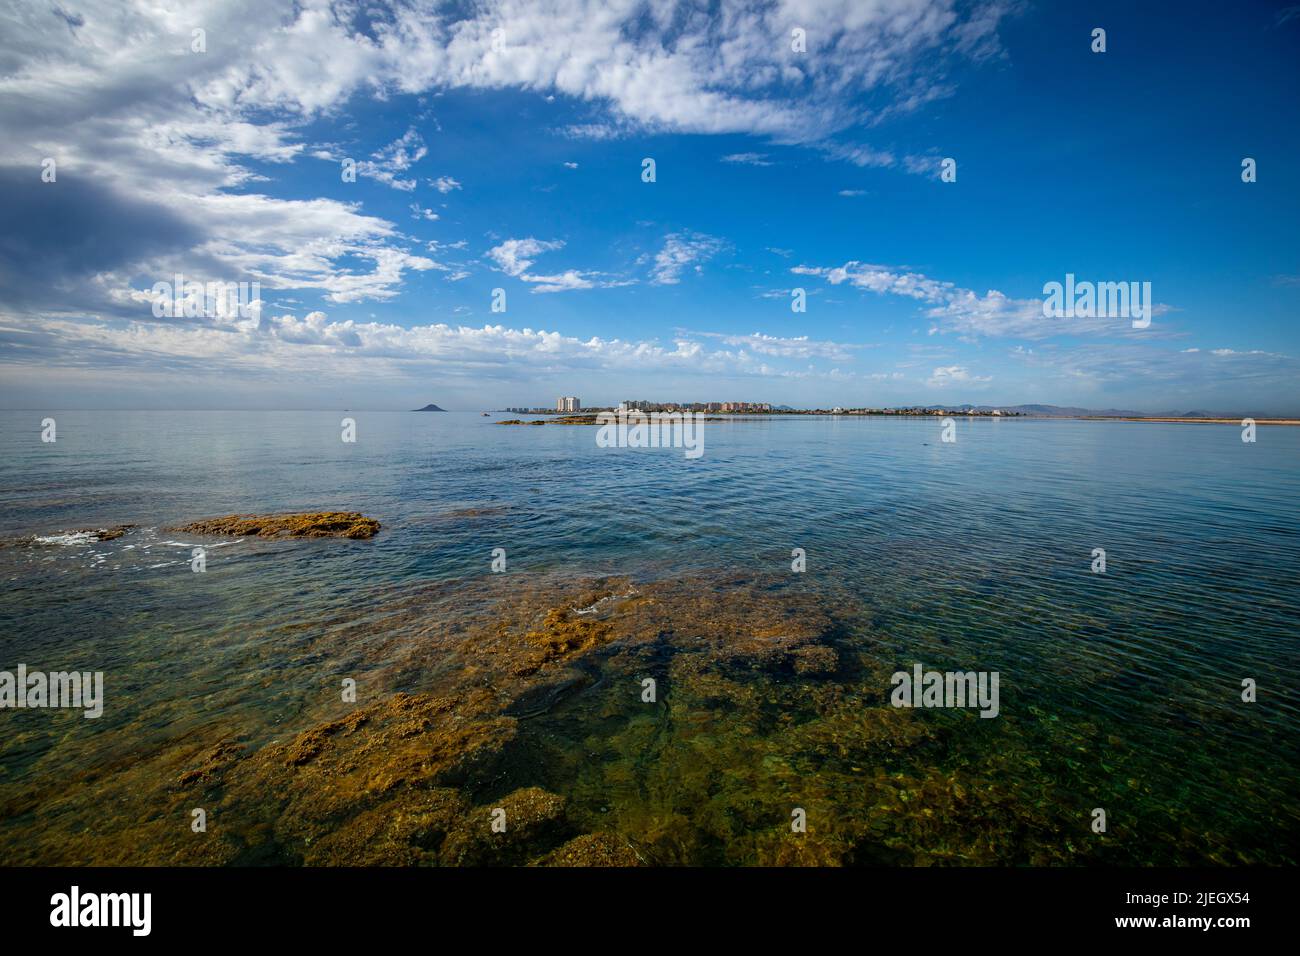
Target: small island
429,408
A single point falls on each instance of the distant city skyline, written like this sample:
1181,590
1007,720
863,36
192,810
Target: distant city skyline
436,203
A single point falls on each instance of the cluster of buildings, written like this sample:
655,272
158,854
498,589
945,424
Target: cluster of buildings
565,403
724,407
571,403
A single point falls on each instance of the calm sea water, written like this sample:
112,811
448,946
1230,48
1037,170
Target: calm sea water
972,555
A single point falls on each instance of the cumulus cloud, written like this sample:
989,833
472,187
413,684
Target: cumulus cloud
315,345
115,93
124,104
733,71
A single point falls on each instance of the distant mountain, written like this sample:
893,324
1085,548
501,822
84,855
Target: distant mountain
1045,411
429,408
1072,411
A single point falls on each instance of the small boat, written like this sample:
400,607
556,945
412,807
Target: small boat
486,415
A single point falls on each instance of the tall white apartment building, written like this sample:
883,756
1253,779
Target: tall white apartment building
568,403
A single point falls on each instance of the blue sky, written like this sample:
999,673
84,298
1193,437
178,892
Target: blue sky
513,161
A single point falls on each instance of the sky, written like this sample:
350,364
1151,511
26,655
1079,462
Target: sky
388,173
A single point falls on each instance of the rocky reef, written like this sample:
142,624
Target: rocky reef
552,721
316,524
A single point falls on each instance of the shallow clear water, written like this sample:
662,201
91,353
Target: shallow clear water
1119,690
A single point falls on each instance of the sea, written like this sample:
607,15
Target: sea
1135,587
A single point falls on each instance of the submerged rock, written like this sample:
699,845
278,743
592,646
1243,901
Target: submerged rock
616,723
315,524
594,849
522,821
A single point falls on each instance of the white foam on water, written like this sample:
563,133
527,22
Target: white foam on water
68,538
214,544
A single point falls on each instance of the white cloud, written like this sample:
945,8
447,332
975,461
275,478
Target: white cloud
733,71
946,375
1198,378
748,159
796,347
511,255
118,97
313,345
969,314
682,251
388,163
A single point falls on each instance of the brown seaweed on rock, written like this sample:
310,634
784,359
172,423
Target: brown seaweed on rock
316,524
526,696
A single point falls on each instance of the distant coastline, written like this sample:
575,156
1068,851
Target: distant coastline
589,417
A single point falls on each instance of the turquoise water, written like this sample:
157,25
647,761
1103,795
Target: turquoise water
1119,690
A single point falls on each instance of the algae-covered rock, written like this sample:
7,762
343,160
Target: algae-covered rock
315,524
594,849
768,696
406,832
214,763
510,831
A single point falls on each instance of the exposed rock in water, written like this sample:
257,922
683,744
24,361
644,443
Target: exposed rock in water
79,536
109,534
316,524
